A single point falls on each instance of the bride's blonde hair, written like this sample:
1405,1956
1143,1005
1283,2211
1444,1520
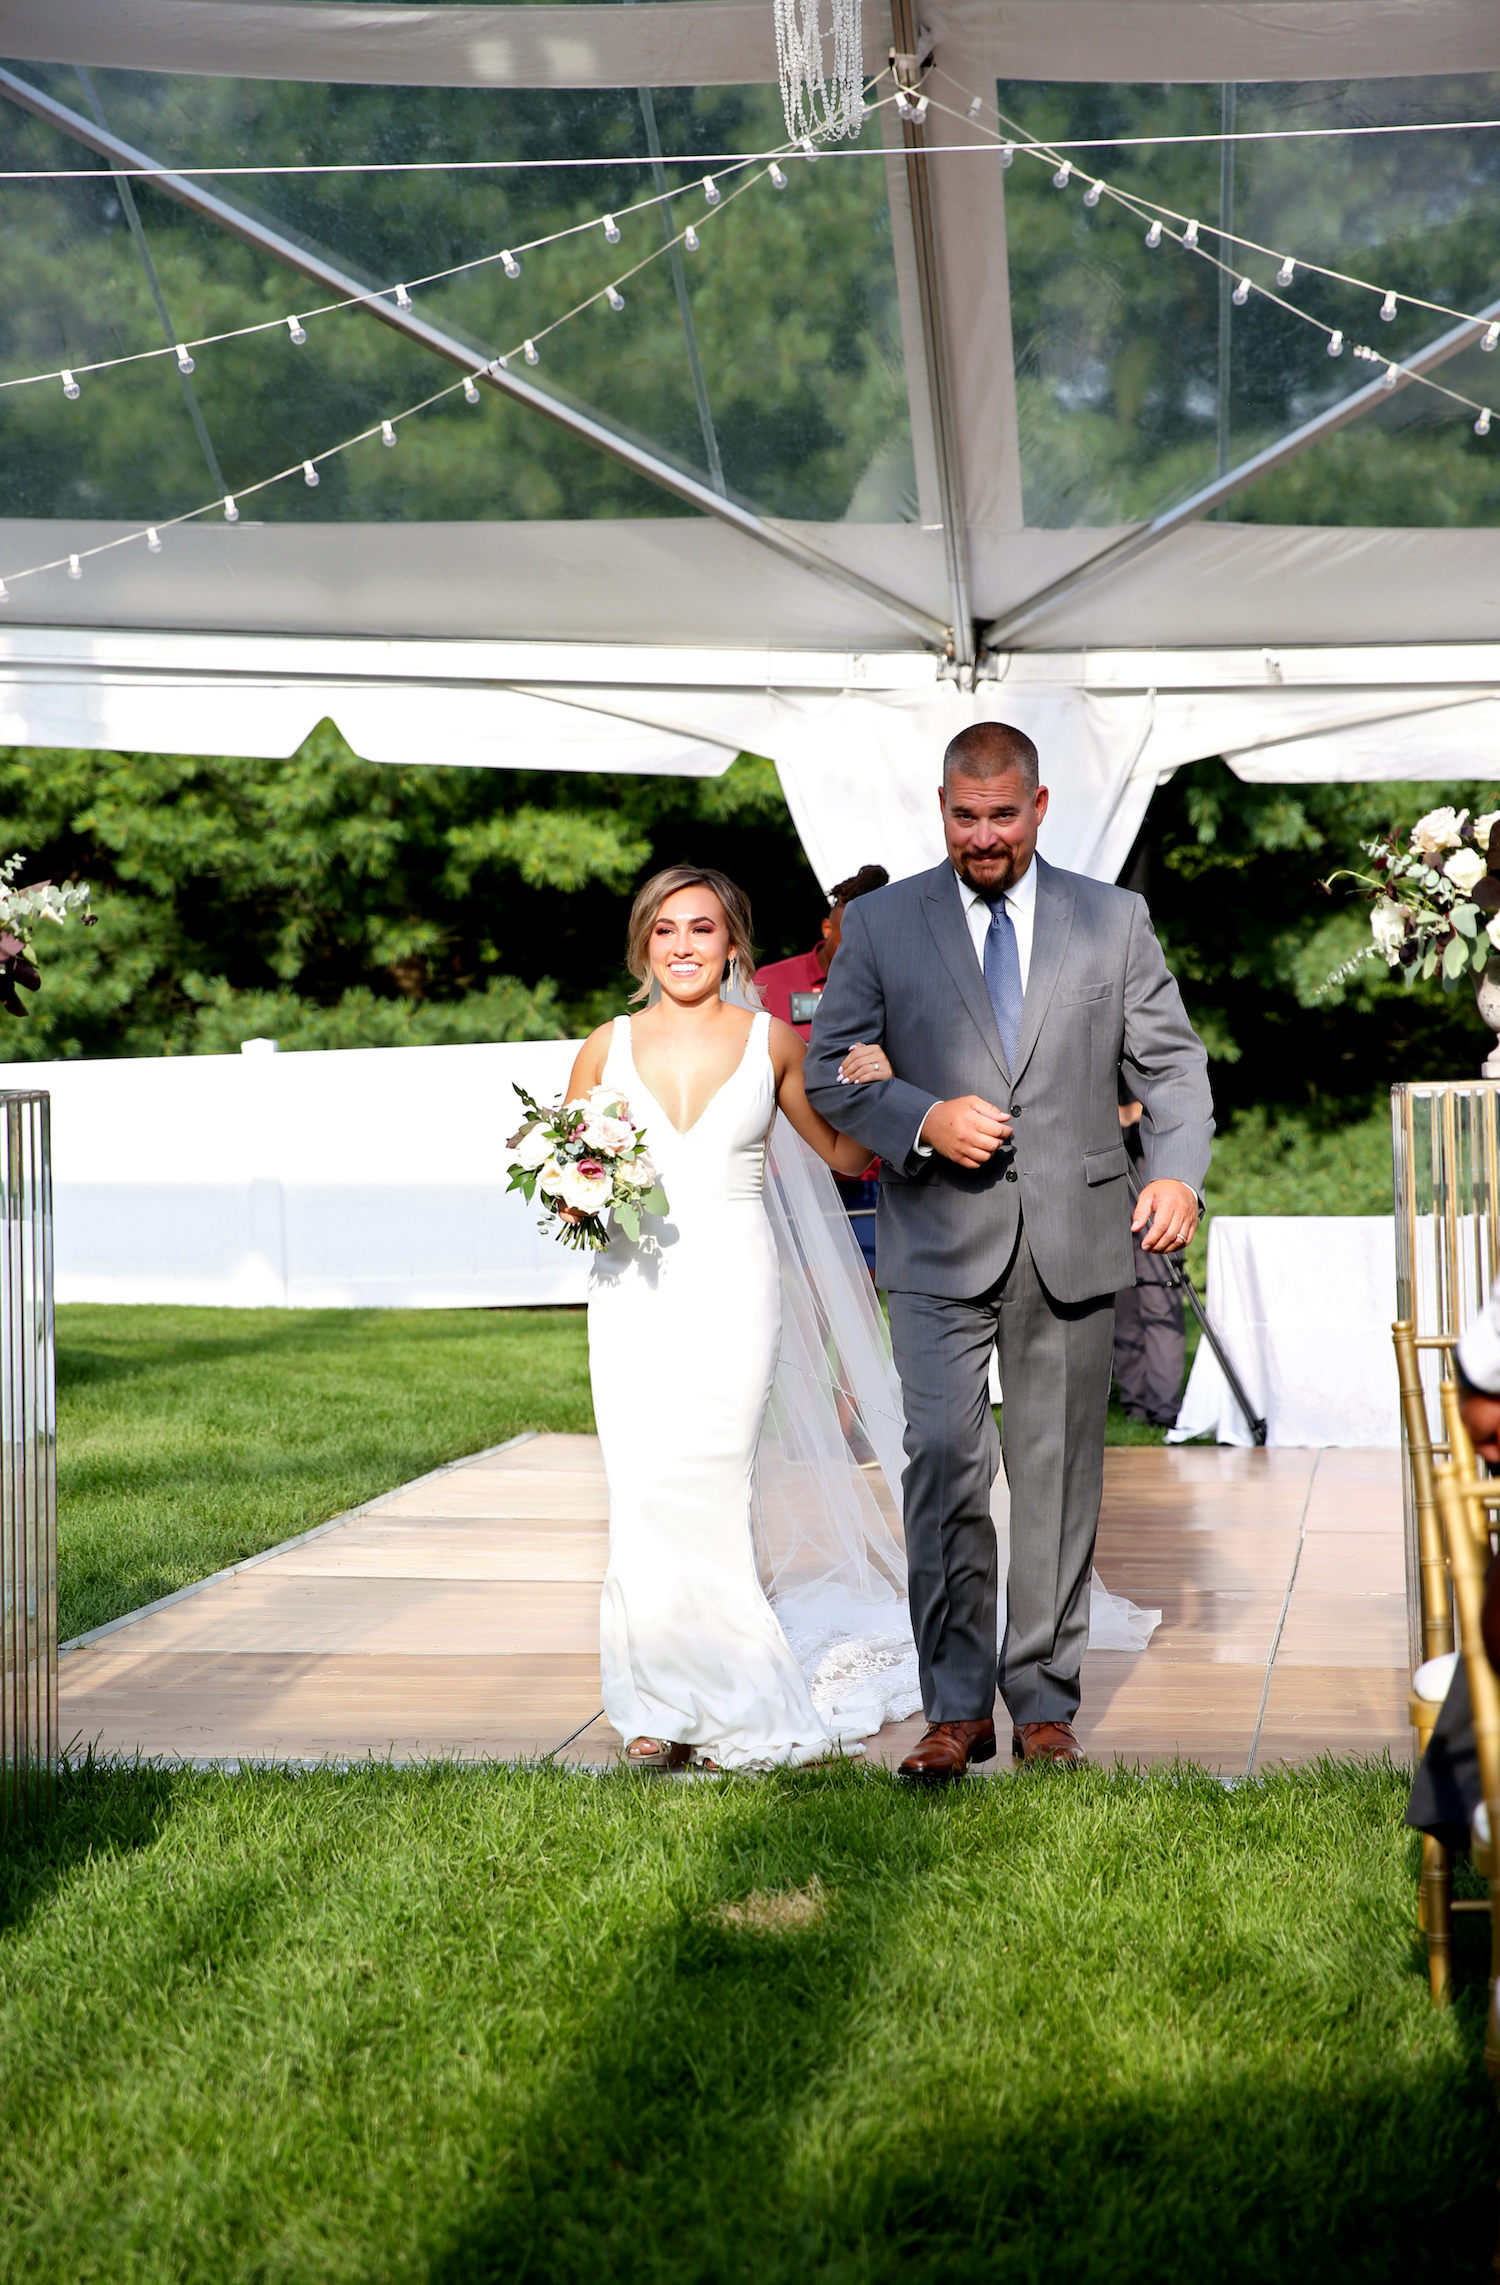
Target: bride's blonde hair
651,898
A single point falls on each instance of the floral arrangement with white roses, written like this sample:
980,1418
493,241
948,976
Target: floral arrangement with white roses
1435,905
590,1157
20,909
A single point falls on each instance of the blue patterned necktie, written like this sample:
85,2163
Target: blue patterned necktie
1002,980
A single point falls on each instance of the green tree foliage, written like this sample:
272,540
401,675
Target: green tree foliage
329,902
1232,872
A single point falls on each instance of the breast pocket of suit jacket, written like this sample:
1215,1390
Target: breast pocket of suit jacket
1094,1013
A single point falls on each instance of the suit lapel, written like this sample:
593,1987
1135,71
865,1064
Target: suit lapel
1050,930
945,917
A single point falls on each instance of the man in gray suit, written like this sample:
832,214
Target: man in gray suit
1008,997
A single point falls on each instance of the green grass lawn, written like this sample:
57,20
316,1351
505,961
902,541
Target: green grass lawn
461,2025
190,1438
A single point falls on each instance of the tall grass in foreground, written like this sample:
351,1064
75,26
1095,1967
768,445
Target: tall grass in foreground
476,2024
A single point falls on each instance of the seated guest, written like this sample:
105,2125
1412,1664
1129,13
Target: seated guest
1150,1340
791,989
1447,1790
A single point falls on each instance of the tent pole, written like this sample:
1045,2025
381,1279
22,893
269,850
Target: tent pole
906,72
1003,630
326,274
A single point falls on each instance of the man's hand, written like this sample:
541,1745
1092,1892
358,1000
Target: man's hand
1176,1217
968,1130
1481,1417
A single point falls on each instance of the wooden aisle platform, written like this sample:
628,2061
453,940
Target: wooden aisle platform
459,1616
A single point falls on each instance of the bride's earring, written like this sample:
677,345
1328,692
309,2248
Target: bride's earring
726,981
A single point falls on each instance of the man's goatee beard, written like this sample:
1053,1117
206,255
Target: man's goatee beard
990,889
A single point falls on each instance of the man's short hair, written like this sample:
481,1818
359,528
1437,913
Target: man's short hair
992,750
858,884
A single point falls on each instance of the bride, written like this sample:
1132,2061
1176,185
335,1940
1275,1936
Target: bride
684,1333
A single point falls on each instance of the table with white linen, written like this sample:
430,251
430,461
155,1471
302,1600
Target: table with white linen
1303,1305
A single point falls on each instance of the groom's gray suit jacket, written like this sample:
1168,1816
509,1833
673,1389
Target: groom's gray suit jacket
1099,997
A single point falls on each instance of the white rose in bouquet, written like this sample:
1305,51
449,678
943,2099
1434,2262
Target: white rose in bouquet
549,1181
533,1149
1464,868
1492,931
1484,826
586,1186
1388,927
1440,829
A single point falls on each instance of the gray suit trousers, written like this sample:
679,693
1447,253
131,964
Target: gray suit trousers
1054,1370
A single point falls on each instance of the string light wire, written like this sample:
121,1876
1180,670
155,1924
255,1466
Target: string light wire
331,167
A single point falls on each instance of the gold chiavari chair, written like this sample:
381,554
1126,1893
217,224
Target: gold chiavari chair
1469,1505
1434,1907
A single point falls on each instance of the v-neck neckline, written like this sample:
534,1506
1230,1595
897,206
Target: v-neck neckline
682,1133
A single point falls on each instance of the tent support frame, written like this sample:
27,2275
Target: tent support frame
1003,631
187,192
907,56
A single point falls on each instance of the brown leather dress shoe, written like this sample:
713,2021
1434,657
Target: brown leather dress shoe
1046,1741
946,1750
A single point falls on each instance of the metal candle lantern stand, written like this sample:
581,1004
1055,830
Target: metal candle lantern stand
28,1463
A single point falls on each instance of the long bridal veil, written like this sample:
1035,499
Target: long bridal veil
827,1503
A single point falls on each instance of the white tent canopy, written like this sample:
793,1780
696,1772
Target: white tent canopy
980,564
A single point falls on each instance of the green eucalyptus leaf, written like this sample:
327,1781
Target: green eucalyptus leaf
628,1220
1466,918
655,1201
1455,956
1481,951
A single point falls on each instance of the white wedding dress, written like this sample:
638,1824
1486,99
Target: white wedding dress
684,1331
754,1606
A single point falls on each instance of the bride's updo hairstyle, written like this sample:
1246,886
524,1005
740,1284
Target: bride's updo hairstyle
651,898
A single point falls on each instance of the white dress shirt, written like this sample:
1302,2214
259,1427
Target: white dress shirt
1020,903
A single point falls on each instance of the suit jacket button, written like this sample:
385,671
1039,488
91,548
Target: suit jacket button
1010,1174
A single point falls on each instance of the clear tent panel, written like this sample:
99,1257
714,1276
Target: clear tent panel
1139,379
720,360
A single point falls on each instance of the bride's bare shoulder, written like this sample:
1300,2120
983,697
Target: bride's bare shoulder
588,1063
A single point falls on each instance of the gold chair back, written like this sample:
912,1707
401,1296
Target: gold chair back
1468,1504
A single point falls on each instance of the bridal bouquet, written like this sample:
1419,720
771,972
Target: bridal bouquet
590,1156
1435,905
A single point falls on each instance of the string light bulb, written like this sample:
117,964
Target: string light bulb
297,331
711,190
778,179
70,386
1388,309
690,239
184,362
403,298
75,568
1007,154
1287,272
1241,293
533,354
508,263
1094,193
1153,236
1190,237
4,592
1482,425
310,476
611,230
1335,343
153,540
976,106
1061,178
1390,376
614,297
471,393
231,511
387,433
1490,336
809,150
